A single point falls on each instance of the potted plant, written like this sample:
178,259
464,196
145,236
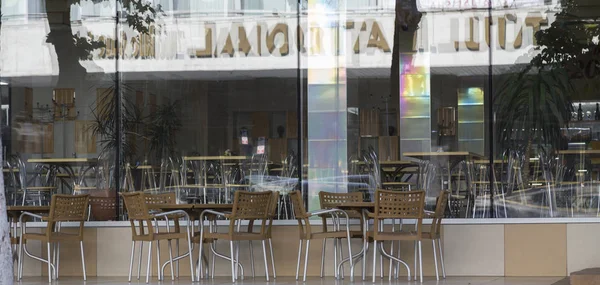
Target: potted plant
161,128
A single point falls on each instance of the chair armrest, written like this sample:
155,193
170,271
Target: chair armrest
31,215
172,213
327,211
428,214
216,213
24,225
370,214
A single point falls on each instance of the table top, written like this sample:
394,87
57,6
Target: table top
589,152
15,211
389,162
357,206
64,161
426,155
205,158
33,209
191,206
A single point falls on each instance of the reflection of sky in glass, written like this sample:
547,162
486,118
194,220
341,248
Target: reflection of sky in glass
471,96
327,118
415,104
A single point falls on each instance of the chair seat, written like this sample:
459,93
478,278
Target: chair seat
161,236
15,240
395,236
353,233
54,237
235,237
329,234
429,235
351,214
196,239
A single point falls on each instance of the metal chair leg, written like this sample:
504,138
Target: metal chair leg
212,261
437,274
323,257
416,264
341,250
57,257
190,248
299,256
140,259
177,262
20,262
171,260
149,262
391,262
49,264
131,259
441,257
252,258
374,259
335,249
306,259
160,277
381,264
272,258
420,262
233,274
83,260
264,246
364,258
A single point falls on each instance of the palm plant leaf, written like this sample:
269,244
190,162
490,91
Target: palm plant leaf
107,124
533,107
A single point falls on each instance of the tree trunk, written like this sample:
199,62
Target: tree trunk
6,260
61,37
406,24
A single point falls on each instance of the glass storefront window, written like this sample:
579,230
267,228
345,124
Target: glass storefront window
494,101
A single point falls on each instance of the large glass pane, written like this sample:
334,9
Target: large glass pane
210,100
546,110
49,81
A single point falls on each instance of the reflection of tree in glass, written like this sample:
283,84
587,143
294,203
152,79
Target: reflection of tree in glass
138,14
115,130
534,102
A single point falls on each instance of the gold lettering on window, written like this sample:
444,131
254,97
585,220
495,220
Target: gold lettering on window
536,23
280,28
300,40
471,44
243,43
502,32
206,52
228,47
377,39
102,53
147,44
315,40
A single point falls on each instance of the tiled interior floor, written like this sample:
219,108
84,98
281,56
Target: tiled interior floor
309,281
